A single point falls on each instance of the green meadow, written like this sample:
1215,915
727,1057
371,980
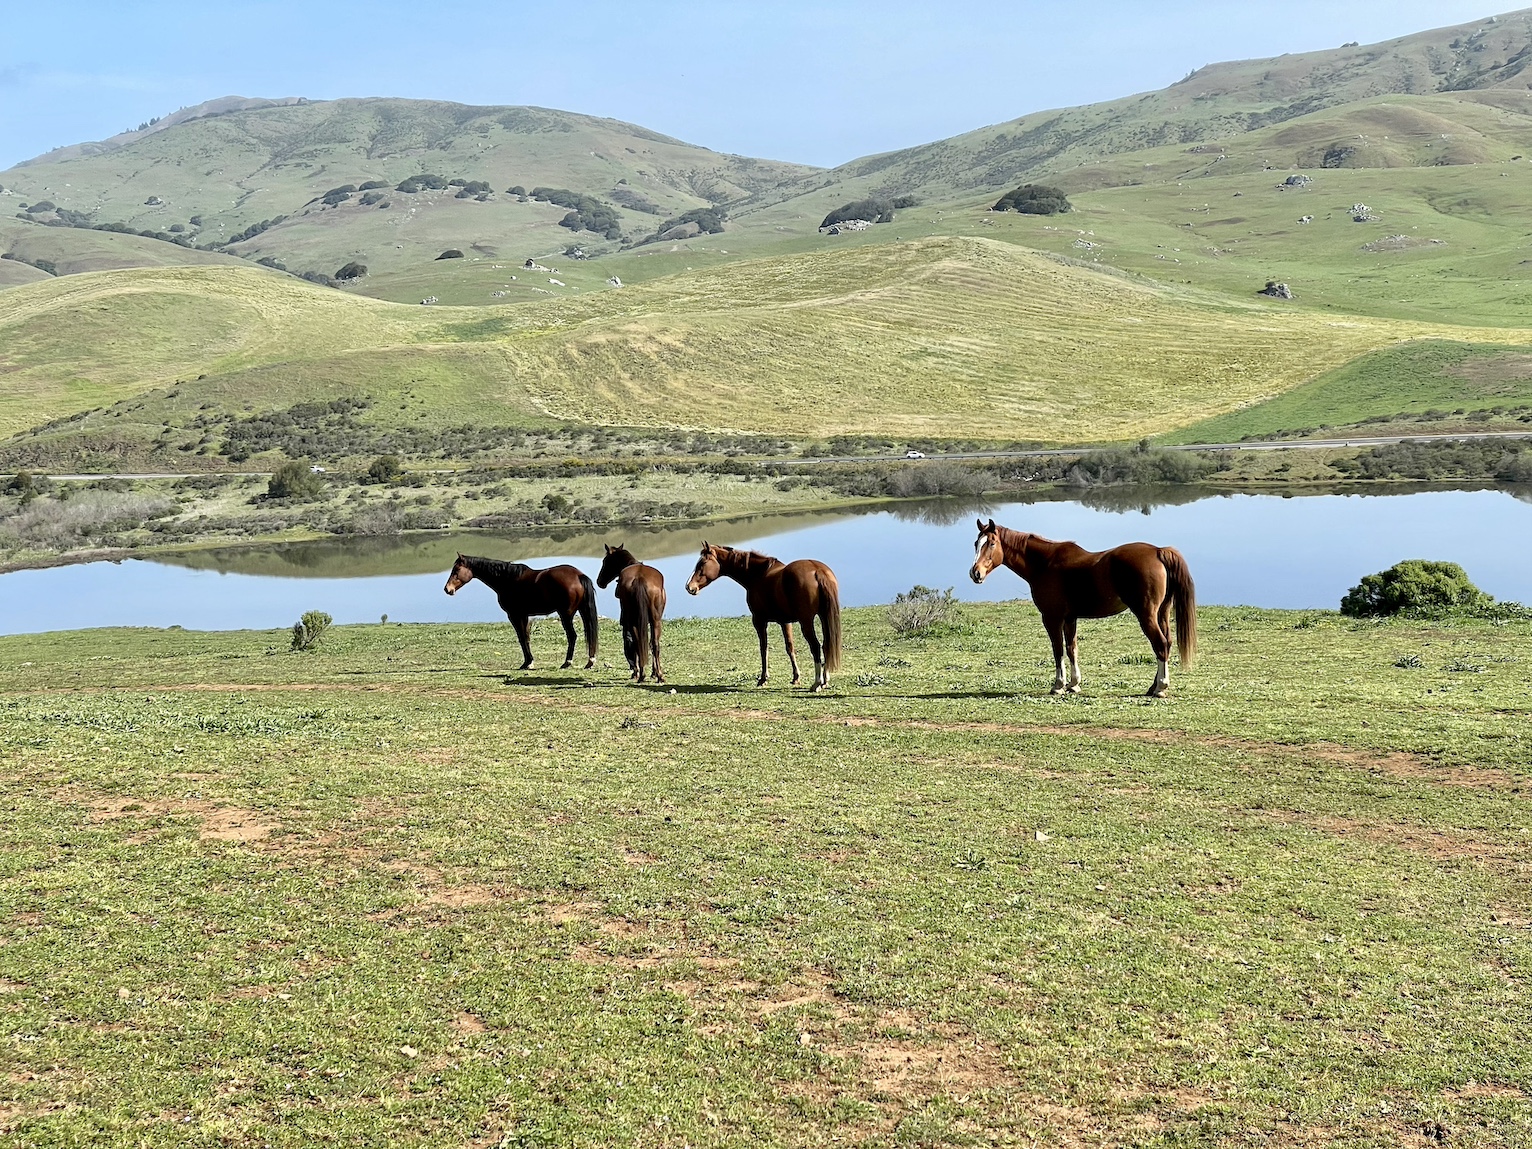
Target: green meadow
389,891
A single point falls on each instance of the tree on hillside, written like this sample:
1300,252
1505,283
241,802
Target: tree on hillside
294,481
352,270
872,210
1034,199
451,253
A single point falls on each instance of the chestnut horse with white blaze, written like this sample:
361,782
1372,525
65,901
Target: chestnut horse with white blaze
781,593
1070,583
640,608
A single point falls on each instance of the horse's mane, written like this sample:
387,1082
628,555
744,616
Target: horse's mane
749,559
622,554
491,571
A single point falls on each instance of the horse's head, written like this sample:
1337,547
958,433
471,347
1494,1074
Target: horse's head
708,568
461,575
988,551
616,558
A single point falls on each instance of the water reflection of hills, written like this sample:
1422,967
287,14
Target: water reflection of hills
427,552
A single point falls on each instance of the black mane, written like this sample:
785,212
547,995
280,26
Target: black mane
492,571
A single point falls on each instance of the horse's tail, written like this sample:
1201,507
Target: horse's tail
641,640
1184,595
829,617
588,616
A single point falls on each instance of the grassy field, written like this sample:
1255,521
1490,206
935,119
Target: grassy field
1463,386
933,337
383,892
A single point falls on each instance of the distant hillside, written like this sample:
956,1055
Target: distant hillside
1221,100
252,177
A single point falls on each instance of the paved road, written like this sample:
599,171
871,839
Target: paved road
1253,445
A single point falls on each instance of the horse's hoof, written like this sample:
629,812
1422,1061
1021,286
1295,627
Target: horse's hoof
760,682
591,665
566,666
1156,692
526,666
1073,689
1057,689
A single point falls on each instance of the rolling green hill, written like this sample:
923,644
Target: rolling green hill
933,337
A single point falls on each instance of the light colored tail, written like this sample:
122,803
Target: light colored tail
1184,594
829,618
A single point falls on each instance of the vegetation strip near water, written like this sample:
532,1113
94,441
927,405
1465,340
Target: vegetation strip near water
385,891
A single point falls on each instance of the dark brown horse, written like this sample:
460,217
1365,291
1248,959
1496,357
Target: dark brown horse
524,591
641,608
1070,583
782,593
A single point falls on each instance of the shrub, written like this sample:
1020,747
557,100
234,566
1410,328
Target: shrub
872,210
309,629
921,609
451,253
1413,587
385,469
352,270
294,481
1034,199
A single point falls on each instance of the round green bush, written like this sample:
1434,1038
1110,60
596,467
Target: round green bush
1415,586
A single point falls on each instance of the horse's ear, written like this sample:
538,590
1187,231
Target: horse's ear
608,548
992,528
981,525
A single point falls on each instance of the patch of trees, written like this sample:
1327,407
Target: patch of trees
421,183
1034,199
43,207
318,277
352,270
250,232
304,430
372,185
708,220
635,201
587,213
451,253
338,195
872,210
472,189
516,190
272,262
294,481
1469,459
46,265
372,197
1415,588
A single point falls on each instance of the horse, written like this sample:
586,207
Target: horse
524,591
1070,583
641,607
782,593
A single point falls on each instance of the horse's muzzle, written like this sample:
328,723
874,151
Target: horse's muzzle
691,589
450,589
973,573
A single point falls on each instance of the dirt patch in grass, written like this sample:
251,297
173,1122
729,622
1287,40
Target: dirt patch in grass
1511,366
1452,844
219,823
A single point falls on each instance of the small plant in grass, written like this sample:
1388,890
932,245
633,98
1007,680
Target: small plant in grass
1414,587
309,629
1408,662
921,609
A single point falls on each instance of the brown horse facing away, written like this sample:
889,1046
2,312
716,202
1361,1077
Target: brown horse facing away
641,608
1070,583
524,591
782,593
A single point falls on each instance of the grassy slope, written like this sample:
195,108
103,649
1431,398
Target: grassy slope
375,894
75,250
927,337
239,168
1404,381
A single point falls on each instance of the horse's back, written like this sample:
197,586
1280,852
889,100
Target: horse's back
793,593
641,579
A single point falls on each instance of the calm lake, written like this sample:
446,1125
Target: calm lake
1303,550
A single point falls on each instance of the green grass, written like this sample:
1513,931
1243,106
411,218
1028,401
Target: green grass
1430,376
384,893
921,338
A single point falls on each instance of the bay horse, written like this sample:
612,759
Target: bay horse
1070,583
781,593
641,608
524,591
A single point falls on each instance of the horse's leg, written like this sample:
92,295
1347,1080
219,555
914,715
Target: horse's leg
792,655
760,630
655,626
1158,635
567,618
519,621
1056,637
630,648
1072,646
821,675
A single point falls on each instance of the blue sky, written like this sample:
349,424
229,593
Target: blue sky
816,83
